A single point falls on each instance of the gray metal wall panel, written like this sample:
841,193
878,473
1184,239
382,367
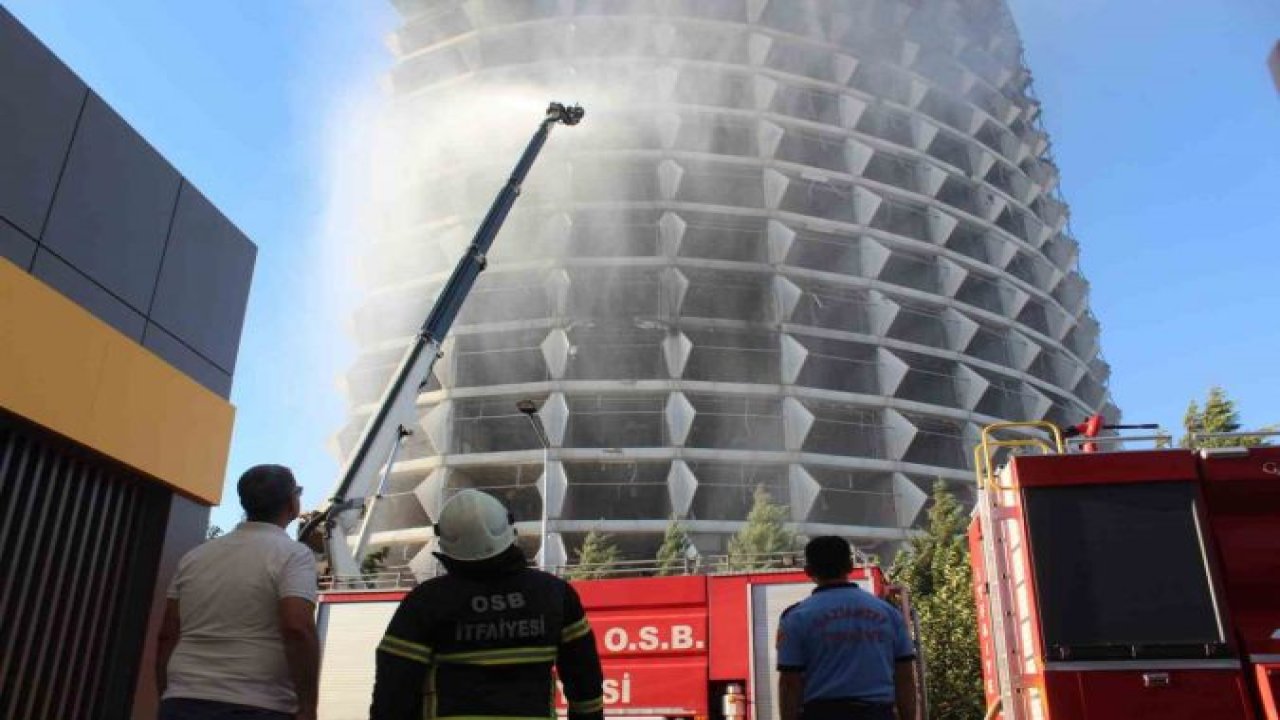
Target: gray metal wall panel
98,207
16,247
111,214
204,281
40,100
187,360
88,294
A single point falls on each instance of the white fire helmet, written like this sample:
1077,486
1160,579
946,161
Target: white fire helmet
474,526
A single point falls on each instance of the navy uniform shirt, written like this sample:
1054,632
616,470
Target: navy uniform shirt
846,642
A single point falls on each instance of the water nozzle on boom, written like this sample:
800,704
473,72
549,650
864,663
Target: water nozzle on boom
567,114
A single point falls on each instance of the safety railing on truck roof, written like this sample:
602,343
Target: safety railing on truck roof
1159,439
397,578
730,564
1232,441
402,578
1028,438
1047,438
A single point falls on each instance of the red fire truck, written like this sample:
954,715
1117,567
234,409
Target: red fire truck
1126,585
694,646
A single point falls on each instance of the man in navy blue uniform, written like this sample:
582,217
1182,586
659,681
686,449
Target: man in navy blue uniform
843,654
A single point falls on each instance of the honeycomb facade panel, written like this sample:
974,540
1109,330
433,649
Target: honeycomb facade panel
808,247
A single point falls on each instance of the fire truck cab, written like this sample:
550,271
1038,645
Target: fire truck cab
1127,585
698,647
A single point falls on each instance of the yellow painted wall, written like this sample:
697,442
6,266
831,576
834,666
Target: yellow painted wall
65,369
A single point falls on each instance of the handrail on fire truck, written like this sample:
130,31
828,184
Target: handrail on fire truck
1160,440
984,452
989,494
1198,437
1061,441
402,578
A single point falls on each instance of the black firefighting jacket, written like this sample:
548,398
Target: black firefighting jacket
481,645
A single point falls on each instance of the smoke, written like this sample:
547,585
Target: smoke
425,165
655,224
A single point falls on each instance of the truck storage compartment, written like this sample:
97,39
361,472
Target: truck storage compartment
1197,691
1121,572
350,627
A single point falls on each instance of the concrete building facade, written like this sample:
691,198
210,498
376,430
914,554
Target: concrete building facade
122,296
818,245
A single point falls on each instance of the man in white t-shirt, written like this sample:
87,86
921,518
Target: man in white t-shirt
239,635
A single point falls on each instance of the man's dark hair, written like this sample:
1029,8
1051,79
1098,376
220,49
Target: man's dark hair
828,557
266,491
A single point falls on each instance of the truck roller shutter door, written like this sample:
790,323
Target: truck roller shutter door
767,604
347,664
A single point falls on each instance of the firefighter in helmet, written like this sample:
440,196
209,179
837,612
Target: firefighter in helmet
481,640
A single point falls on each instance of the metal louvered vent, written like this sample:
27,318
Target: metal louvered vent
81,537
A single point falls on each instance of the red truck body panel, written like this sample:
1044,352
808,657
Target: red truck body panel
1243,498
653,640
1232,499
981,588
731,621
669,646
1124,695
675,641
1104,468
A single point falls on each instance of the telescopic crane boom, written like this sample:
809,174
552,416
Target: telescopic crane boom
394,417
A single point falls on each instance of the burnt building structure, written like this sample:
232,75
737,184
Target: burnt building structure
809,246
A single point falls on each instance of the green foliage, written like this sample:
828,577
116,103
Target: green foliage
935,568
212,532
596,558
671,554
1219,415
765,537
374,562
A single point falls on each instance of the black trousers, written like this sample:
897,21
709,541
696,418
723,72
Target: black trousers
190,709
846,709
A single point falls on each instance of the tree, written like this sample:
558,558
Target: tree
596,558
675,543
764,539
212,532
1219,415
935,569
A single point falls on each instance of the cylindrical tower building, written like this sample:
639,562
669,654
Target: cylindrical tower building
810,246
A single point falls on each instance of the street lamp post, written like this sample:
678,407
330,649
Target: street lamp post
530,410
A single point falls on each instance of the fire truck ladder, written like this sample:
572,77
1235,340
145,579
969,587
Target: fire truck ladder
992,516
390,423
